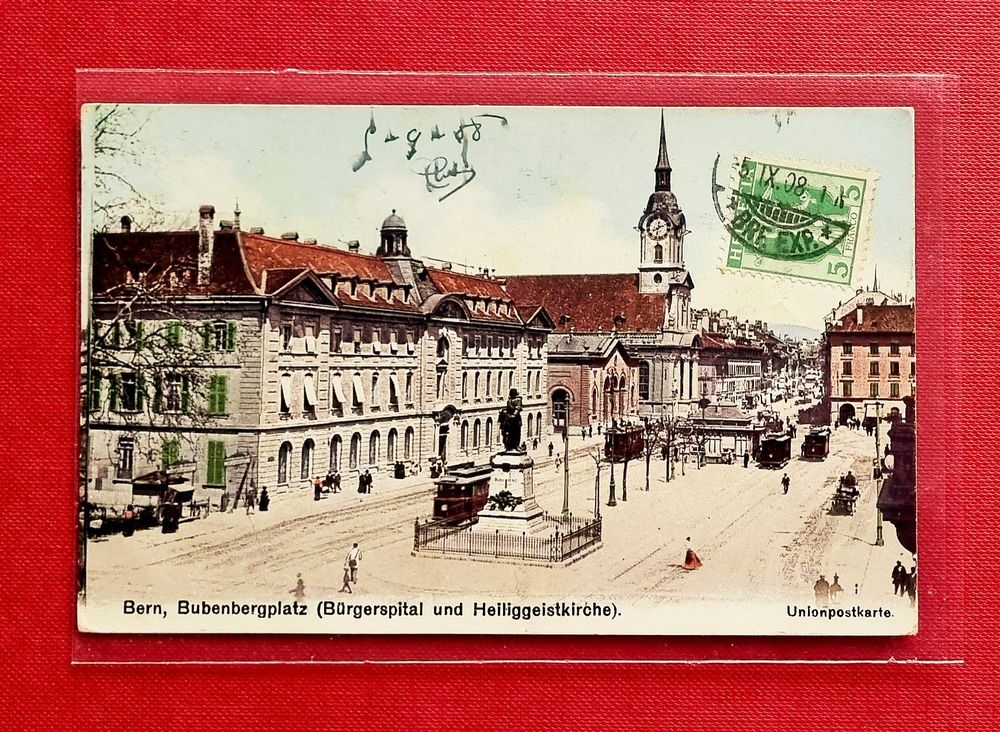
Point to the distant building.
(864, 296)
(869, 357)
(649, 311)
(225, 357)
(731, 371)
(727, 429)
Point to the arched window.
(489, 429)
(593, 400)
(465, 435)
(355, 456)
(373, 448)
(408, 443)
(475, 385)
(531, 425)
(336, 445)
(476, 426)
(465, 386)
(308, 447)
(658, 253)
(538, 424)
(489, 383)
(390, 446)
(443, 348)
(284, 456)
(644, 380)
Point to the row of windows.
(482, 433)
(342, 385)
(170, 455)
(847, 368)
(128, 391)
(215, 335)
(307, 453)
(302, 337)
(492, 384)
(873, 389)
(874, 349)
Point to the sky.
(556, 189)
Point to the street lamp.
(611, 486)
(565, 421)
(876, 470)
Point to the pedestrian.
(336, 482)
(590, 431)
(691, 560)
(300, 588)
(361, 482)
(822, 590)
(353, 559)
(598, 429)
(223, 501)
(835, 589)
(583, 433)
(346, 587)
(899, 579)
(368, 482)
(317, 488)
(251, 499)
(746, 458)
(128, 520)
(551, 448)
(785, 482)
(534, 444)
(911, 586)
(265, 500)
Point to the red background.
(44, 44)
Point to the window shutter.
(231, 335)
(174, 333)
(113, 392)
(138, 335)
(157, 393)
(206, 335)
(220, 399)
(140, 392)
(185, 393)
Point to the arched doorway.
(560, 410)
(846, 412)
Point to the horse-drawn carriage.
(846, 497)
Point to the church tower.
(662, 228)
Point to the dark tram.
(816, 444)
(462, 492)
(623, 442)
(775, 451)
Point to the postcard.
(497, 370)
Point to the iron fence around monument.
(571, 536)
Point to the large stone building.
(648, 310)
(226, 356)
(732, 369)
(869, 358)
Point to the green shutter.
(157, 393)
(171, 452)
(185, 393)
(113, 392)
(217, 395)
(173, 333)
(140, 392)
(231, 335)
(206, 335)
(216, 469)
(138, 335)
(221, 397)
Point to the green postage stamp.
(809, 222)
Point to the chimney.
(257, 230)
(861, 315)
(354, 245)
(446, 265)
(126, 224)
(206, 243)
(290, 236)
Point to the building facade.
(649, 311)
(227, 357)
(870, 359)
(731, 371)
(591, 379)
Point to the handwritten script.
(446, 171)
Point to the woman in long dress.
(691, 560)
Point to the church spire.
(662, 161)
(875, 284)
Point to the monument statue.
(510, 422)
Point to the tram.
(623, 442)
(461, 493)
(775, 451)
(816, 444)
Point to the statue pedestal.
(513, 471)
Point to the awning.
(359, 389)
(310, 390)
(338, 390)
(286, 390)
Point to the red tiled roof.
(591, 300)
(264, 252)
(448, 282)
(157, 255)
(876, 319)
